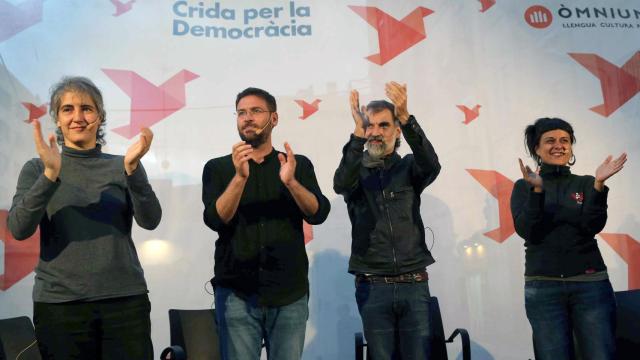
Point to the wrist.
(130, 168)
(240, 178)
(598, 185)
(51, 174)
(403, 117)
(290, 184)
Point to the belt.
(412, 277)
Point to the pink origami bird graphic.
(394, 37)
(15, 18)
(35, 112)
(469, 114)
(308, 109)
(149, 103)
(121, 7)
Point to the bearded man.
(256, 199)
(389, 255)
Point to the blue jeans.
(395, 318)
(243, 324)
(561, 312)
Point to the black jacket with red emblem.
(559, 224)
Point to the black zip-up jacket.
(384, 205)
(560, 223)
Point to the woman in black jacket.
(568, 295)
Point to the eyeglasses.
(256, 112)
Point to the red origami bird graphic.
(307, 230)
(618, 84)
(20, 257)
(35, 112)
(629, 250)
(394, 37)
(308, 109)
(486, 4)
(149, 103)
(501, 188)
(469, 114)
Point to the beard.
(376, 151)
(255, 140)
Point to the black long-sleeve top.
(559, 224)
(261, 250)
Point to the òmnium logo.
(618, 18)
(538, 16)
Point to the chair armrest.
(174, 352)
(466, 344)
(359, 341)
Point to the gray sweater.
(85, 218)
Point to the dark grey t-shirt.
(85, 219)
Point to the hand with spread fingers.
(287, 165)
(240, 155)
(49, 153)
(397, 93)
(608, 168)
(531, 177)
(137, 150)
(358, 114)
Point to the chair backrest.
(628, 324)
(17, 337)
(195, 331)
(438, 341)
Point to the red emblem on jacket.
(578, 197)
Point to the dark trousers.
(118, 328)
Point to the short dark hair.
(80, 85)
(377, 106)
(533, 133)
(263, 94)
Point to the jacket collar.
(547, 170)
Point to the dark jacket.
(384, 205)
(560, 223)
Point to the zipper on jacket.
(386, 208)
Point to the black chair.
(193, 335)
(438, 341)
(628, 324)
(18, 339)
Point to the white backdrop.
(517, 61)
